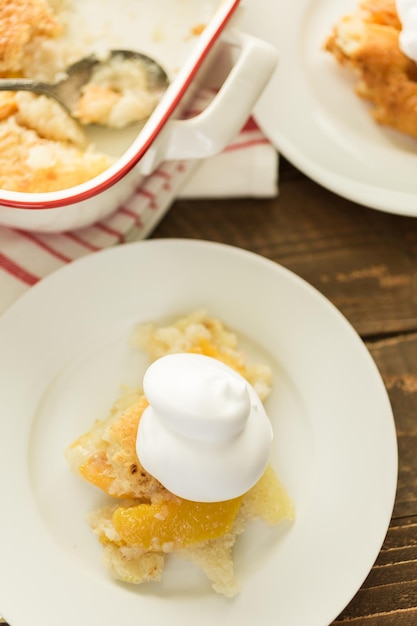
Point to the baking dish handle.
(209, 132)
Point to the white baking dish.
(164, 30)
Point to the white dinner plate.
(64, 352)
(310, 112)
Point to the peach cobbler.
(368, 41)
(43, 147)
(144, 522)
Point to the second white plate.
(312, 115)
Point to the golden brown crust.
(368, 42)
(106, 456)
(380, 12)
(20, 22)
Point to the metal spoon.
(67, 91)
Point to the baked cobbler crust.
(42, 149)
(21, 21)
(367, 41)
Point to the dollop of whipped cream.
(205, 435)
(407, 12)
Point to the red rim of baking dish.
(78, 196)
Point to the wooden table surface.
(365, 262)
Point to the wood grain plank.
(405, 617)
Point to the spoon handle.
(23, 84)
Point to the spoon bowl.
(68, 90)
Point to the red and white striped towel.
(248, 167)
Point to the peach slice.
(174, 524)
(206, 347)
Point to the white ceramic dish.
(165, 34)
(64, 354)
(311, 113)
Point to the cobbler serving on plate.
(202, 430)
(377, 42)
